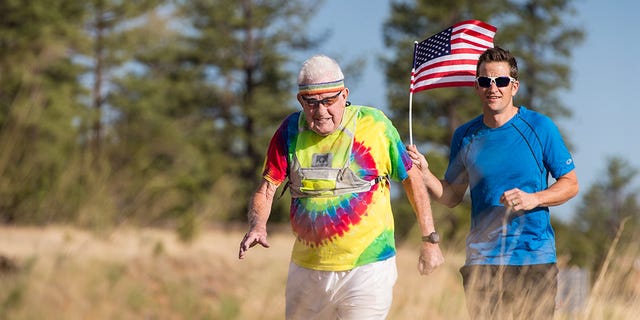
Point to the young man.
(505, 156)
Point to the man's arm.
(565, 188)
(447, 194)
(561, 191)
(430, 254)
(259, 211)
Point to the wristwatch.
(433, 237)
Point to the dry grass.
(64, 273)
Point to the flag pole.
(413, 71)
(410, 111)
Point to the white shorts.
(364, 292)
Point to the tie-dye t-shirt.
(335, 233)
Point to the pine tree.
(111, 28)
(245, 48)
(210, 85)
(38, 104)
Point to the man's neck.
(497, 119)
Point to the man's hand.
(418, 159)
(516, 199)
(251, 239)
(430, 258)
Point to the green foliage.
(574, 248)
(13, 299)
(250, 87)
(149, 112)
(37, 105)
(543, 55)
(14, 279)
(600, 216)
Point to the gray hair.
(319, 68)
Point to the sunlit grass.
(64, 273)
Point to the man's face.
(495, 97)
(323, 112)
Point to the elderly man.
(338, 160)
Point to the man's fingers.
(249, 241)
(243, 250)
(424, 268)
(243, 245)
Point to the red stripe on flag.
(449, 58)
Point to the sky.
(604, 93)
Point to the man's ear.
(516, 86)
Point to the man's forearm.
(419, 199)
(442, 191)
(434, 185)
(565, 188)
(260, 206)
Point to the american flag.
(449, 58)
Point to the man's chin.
(323, 131)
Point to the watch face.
(434, 237)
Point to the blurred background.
(133, 133)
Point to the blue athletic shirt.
(520, 154)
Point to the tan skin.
(323, 120)
(497, 109)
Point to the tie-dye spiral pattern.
(342, 232)
(318, 220)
